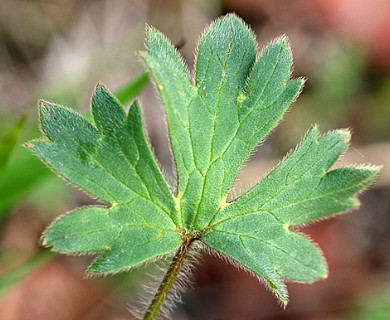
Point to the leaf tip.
(231, 16)
(302, 79)
(311, 135)
(283, 39)
(375, 169)
(43, 242)
(356, 204)
(100, 85)
(41, 105)
(44, 106)
(27, 144)
(44, 103)
(41, 102)
(371, 173)
(150, 30)
(148, 27)
(345, 133)
(100, 89)
(88, 274)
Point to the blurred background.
(58, 50)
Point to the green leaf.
(214, 122)
(112, 160)
(300, 189)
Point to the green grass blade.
(8, 143)
(130, 90)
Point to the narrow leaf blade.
(8, 141)
(130, 90)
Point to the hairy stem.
(169, 278)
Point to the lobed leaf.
(214, 122)
(299, 190)
(112, 160)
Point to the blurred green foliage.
(19, 272)
(19, 172)
(8, 142)
(374, 307)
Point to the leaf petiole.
(169, 279)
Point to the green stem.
(169, 278)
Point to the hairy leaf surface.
(215, 120)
